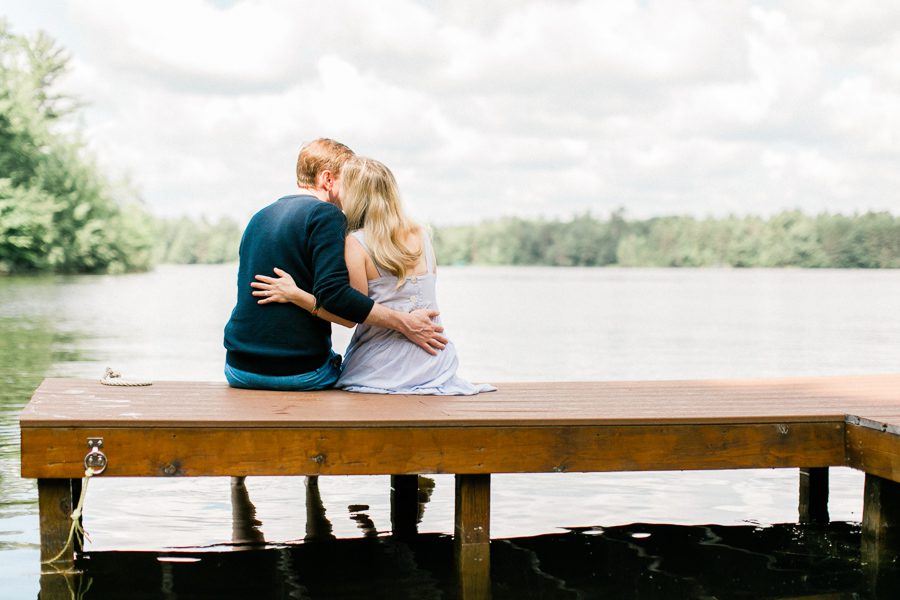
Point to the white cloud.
(865, 116)
(191, 42)
(484, 109)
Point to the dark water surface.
(632, 561)
(717, 534)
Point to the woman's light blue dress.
(383, 361)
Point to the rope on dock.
(112, 377)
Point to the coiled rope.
(115, 378)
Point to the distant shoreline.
(787, 239)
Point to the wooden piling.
(813, 505)
(881, 520)
(77, 540)
(881, 536)
(55, 509)
(473, 535)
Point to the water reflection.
(634, 561)
(318, 527)
(246, 529)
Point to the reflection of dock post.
(813, 505)
(318, 527)
(62, 586)
(472, 535)
(881, 532)
(404, 505)
(244, 524)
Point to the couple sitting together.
(300, 271)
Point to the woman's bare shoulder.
(355, 253)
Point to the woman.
(389, 258)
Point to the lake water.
(509, 324)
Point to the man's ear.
(326, 180)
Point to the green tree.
(57, 212)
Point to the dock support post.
(56, 499)
(881, 532)
(813, 505)
(473, 535)
(404, 505)
(76, 496)
(55, 508)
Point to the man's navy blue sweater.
(304, 236)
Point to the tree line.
(188, 241)
(787, 239)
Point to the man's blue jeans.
(322, 378)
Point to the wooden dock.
(189, 429)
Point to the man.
(280, 346)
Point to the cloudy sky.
(484, 109)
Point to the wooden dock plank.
(63, 402)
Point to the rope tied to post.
(76, 528)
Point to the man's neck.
(320, 194)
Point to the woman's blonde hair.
(371, 201)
